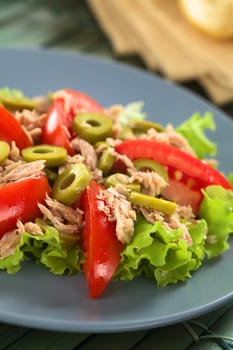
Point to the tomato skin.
(11, 130)
(173, 157)
(19, 201)
(57, 129)
(77, 101)
(180, 193)
(194, 174)
(99, 242)
(53, 130)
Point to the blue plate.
(36, 298)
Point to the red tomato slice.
(76, 101)
(57, 129)
(194, 174)
(54, 129)
(99, 242)
(175, 158)
(181, 194)
(11, 130)
(19, 201)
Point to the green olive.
(4, 151)
(155, 203)
(144, 125)
(126, 133)
(18, 104)
(92, 127)
(106, 162)
(149, 164)
(53, 155)
(13, 99)
(116, 179)
(71, 183)
(51, 174)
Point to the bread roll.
(214, 17)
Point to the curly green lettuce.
(52, 250)
(193, 129)
(161, 252)
(217, 210)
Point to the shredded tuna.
(15, 171)
(169, 136)
(8, 243)
(65, 219)
(87, 151)
(14, 152)
(122, 157)
(10, 240)
(186, 212)
(151, 182)
(31, 121)
(43, 104)
(172, 222)
(150, 215)
(117, 208)
(113, 142)
(71, 160)
(113, 112)
(29, 227)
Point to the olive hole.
(42, 151)
(94, 123)
(67, 181)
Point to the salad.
(106, 192)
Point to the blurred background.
(154, 35)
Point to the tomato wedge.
(19, 201)
(173, 157)
(180, 193)
(77, 101)
(99, 242)
(11, 130)
(54, 131)
(194, 173)
(57, 129)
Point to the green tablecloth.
(69, 25)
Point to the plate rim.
(68, 326)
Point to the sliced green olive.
(149, 164)
(144, 125)
(126, 133)
(106, 162)
(53, 155)
(71, 183)
(116, 179)
(51, 174)
(18, 104)
(15, 100)
(4, 151)
(92, 127)
(155, 203)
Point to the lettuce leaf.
(131, 112)
(161, 252)
(193, 129)
(217, 209)
(50, 249)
